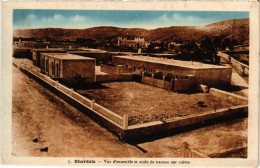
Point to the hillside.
(238, 29)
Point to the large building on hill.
(135, 43)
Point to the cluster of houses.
(70, 63)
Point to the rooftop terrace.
(48, 49)
(165, 61)
(66, 56)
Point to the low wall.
(157, 82)
(81, 98)
(148, 80)
(126, 70)
(113, 77)
(107, 113)
(115, 70)
(64, 88)
(203, 88)
(184, 84)
(86, 106)
(243, 69)
(108, 69)
(228, 96)
(153, 128)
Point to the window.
(58, 70)
(47, 66)
(53, 68)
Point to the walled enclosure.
(67, 66)
(119, 125)
(210, 75)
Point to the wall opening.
(57, 70)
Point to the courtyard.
(144, 103)
(66, 132)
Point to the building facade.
(37, 52)
(68, 67)
(211, 75)
(136, 43)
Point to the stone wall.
(213, 76)
(115, 70)
(84, 68)
(158, 127)
(228, 96)
(108, 69)
(184, 84)
(157, 82)
(243, 69)
(113, 77)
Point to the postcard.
(130, 84)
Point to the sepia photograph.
(126, 84)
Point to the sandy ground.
(136, 98)
(37, 113)
(144, 103)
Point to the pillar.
(71, 90)
(92, 104)
(142, 77)
(56, 83)
(243, 73)
(163, 81)
(125, 121)
(152, 79)
(171, 84)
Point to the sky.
(28, 18)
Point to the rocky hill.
(237, 29)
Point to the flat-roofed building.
(102, 57)
(212, 75)
(135, 43)
(37, 52)
(22, 52)
(68, 67)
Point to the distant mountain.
(237, 29)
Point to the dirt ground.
(144, 103)
(39, 114)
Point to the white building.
(133, 43)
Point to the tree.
(226, 43)
(209, 48)
(188, 47)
